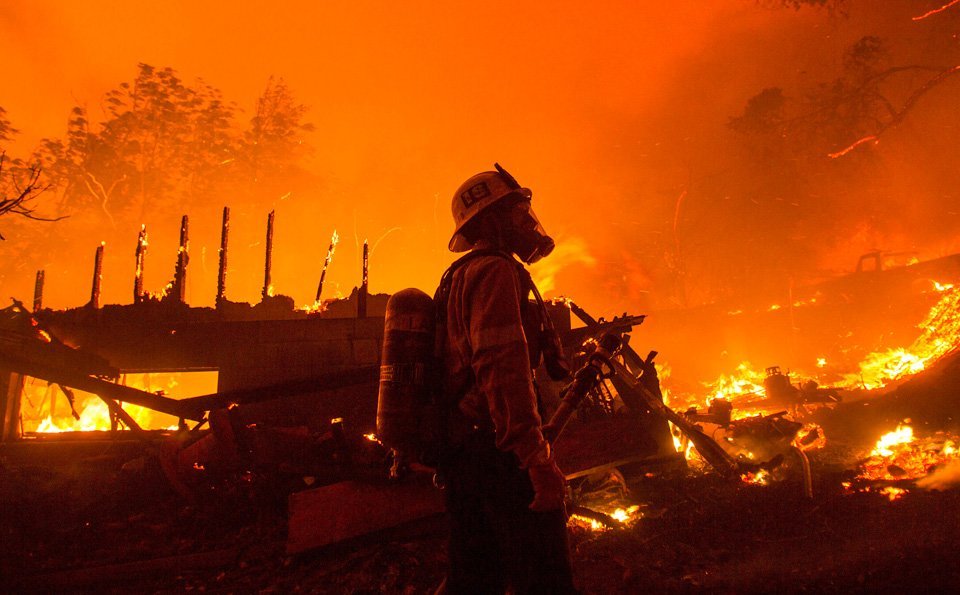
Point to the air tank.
(408, 344)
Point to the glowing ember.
(586, 523)
(761, 477)
(624, 516)
(901, 455)
(930, 13)
(863, 140)
(810, 437)
(893, 493)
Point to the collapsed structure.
(294, 392)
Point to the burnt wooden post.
(11, 390)
(97, 276)
(362, 297)
(38, 292)
(179, 289)
(222, 271)
(140, 255)
(268, 260)
(334, 239)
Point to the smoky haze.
(615, 114)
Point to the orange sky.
(593, 105)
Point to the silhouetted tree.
(274, 143)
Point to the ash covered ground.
(89, 526)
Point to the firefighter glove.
(548, 485)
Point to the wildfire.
(570, 251)
(940, 334)
(745, 381)
(901, 455)
(45, 408)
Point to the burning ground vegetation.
(845, 482)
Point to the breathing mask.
(529, 240)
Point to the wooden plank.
(348, 509)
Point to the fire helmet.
(478, 193)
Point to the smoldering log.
(179, 289)
(140, 255)
(38, 292)
(268, 259)
(362, 296)
(222, 271)
(97, 276)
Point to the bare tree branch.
(898, 116)
(20, 202)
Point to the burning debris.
(757, 430)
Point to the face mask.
(530, 241)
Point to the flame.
(810, 429)
(44, 408)
(902, 435)
(940, 335)
(570, 251)
(586, 522)
(745, 381)
(761, 477)
(317, 306)
(624, 516)
(901, 455)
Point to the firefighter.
(504, 491)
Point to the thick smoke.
(618, 118)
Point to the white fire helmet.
(476, 194)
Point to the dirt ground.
(97, 524)
(87, 527)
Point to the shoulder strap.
(443, 290)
